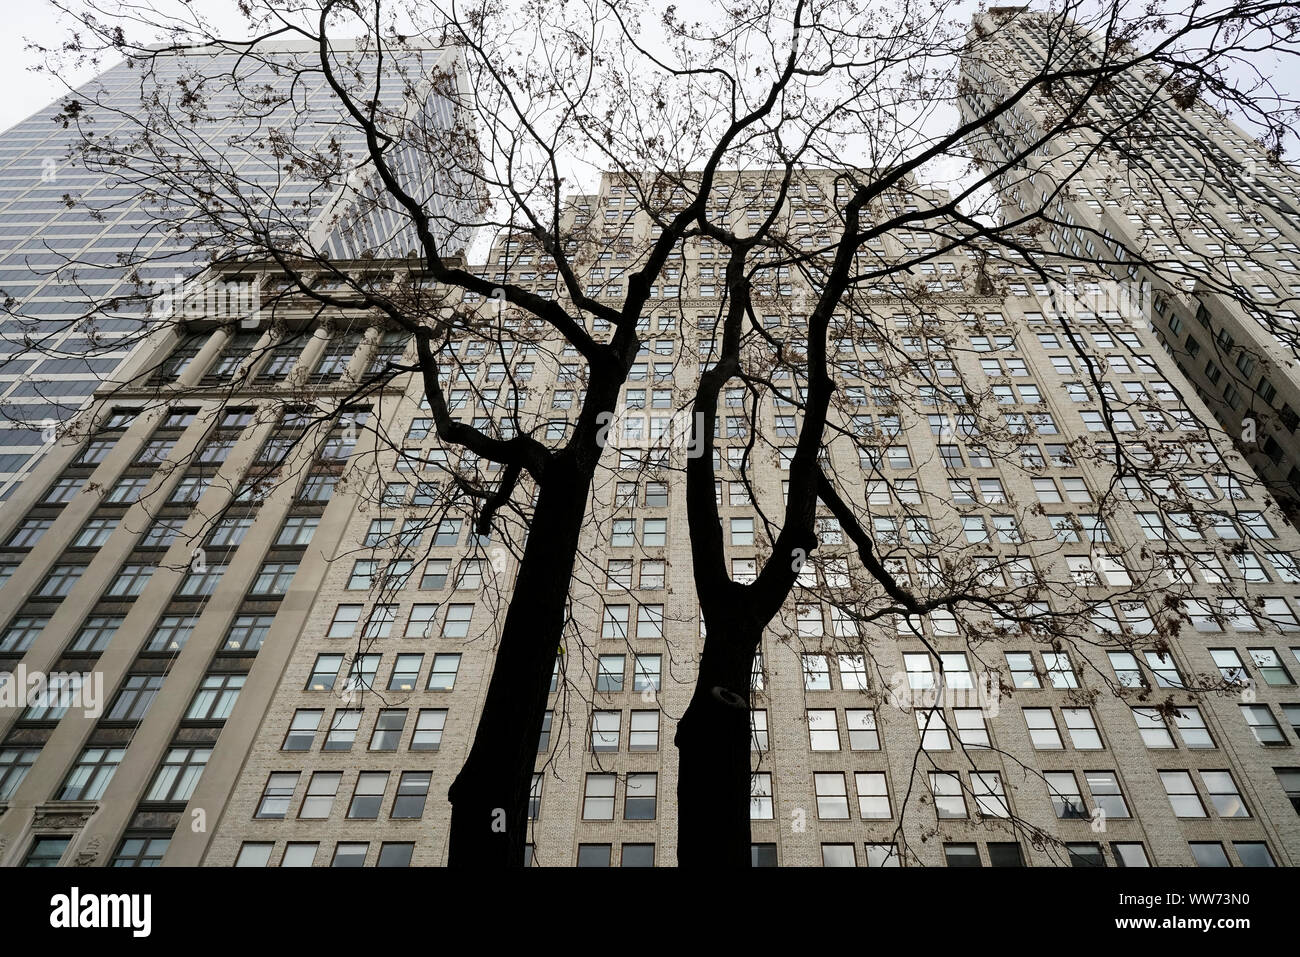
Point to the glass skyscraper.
(80, 227)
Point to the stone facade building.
(294, 621)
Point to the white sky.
(27, 90)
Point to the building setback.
(1200, 195)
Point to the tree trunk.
(489, 798)
(713, 753)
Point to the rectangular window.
(598, 798)
(429, 725)
(319, 799)
(949, 802)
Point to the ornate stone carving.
(62, 816)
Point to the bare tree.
(683, 117)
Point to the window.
(762, 855)
(643, 732)
(823, 731)
(1223, 793)
(863, 735)
(420, 623)
(598, 798)
(141, 849)
(933, 729)
(1191, 725)
(1270, 666)
(456, 624)
(1165, 670)
(299, 854)
(1229, 665)
(95, 634)
(816, 672)
(247, 632)
(442, 676)
(1182, 794)
(838, 855)
(641, 797)
(654, 531)
(361, 676)
(882, 855)
(650, 621)
(406, 672)
(395, 854)
(1253, 854)
(853, 672)
(22, 631)
(91, 774)
(343, 730)
(200, 583)
(1082, 729)
(131, 579)
(318, 802)
(742, 531)
(134, 697)
(94, 533)
(179, 774)
(873, 796)
(274, 577)
(1152, 728)
(1260, 720)
(302, 730)
(1021, 666)
(949, 802)
(1059, 670)
(535, 798)
(920, 671)
(990, 795)
(961, 855)
(368, 795)
(350, 853)
(297, 530)
(324, 673)
(46, 852)
(387, 734)
(1063, 789)
(14, 765)
(758, 729)
(429, 724)
(363, 573)
(832, 797)
(615, 621)
(760, 796)
(605, 728)
(1085, 854)
(1106, 794)
(1289, 778)
(971, 729)
(276, 795)
(594, 855)
(215, 698)
(645, 674)
(1129, 854)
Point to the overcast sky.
(28, 21)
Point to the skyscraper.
(79, 228)
(1151, 173)
(295, 681)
